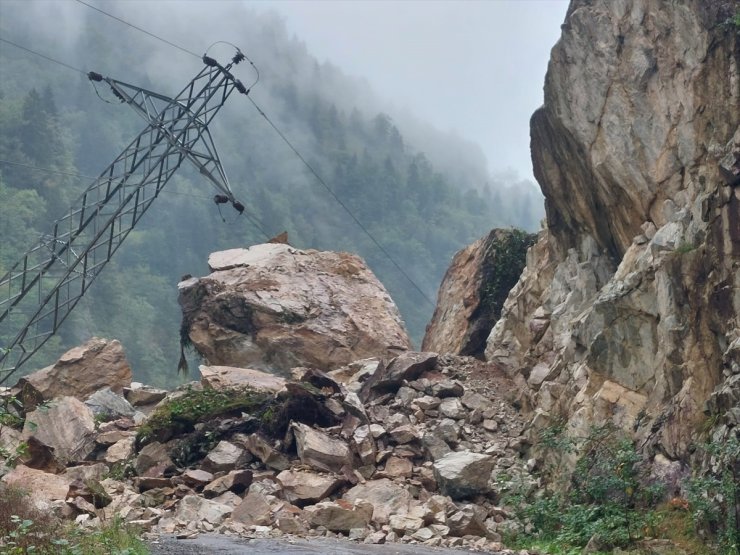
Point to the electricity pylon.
(44, 286)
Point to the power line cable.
(47, 170)
(139, 29)
(78, 70)
(340, 202)
(276, 129)
(298, 154)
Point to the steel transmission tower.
(44, 286)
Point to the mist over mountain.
(421, 192)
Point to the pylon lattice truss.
(40, 290)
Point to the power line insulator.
(238, 206)
(220, 199)
(94, 76)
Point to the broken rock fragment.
(301, 487)
(340, 515)
(385, 496)
(225, 457)
(228, 377)
(62, 432)
(406, 366)
(78, 373)
(464, 474)
(319, 450)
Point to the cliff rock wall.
(628, 308)
(473, 292)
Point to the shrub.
(609, 500)
(714, 495)
(25, 530)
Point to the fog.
(475, 68)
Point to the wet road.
(214, 544)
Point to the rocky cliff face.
(627, 311)
(473, 292)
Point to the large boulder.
(274, 307)
(59, 433)
(464, 474)
(79, 373)
(473, 292)
(43, 487)
(195, 508)
(339, 516)
(386, 497)
(301, 487)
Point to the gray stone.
(434, 446)
(319, 450)
(464, 474)
(225, 457)
(107, 404)
(302, 487)
(142, 395)
(452, 408)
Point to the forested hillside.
(421, 201)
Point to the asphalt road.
(215, 544)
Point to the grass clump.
(26, 530)
(609, 501)
(180, 414)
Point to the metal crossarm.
(43, 287)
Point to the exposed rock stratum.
(627, 310)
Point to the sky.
(476, 67)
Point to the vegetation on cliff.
(601, 494)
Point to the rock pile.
(413, 450)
